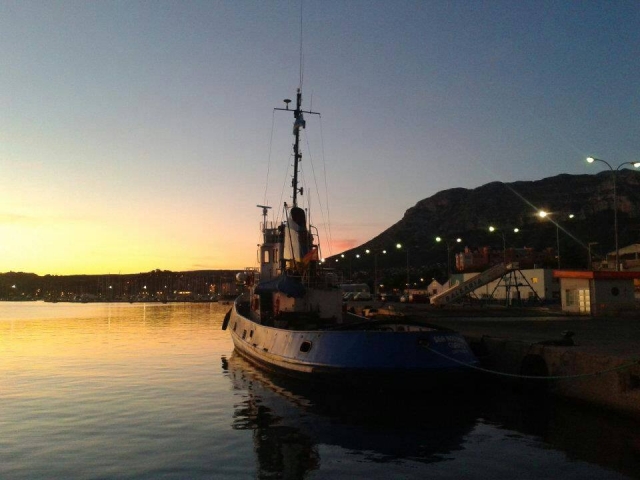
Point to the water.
(101, 391)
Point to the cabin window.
(305, 346)
(244, 334)
(251, 334)
(266, 256)
(615, 291)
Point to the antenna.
(265, 211)
(301, 44)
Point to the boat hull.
(418, 358)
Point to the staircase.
(461, 289)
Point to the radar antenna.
(265, 211)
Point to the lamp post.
(590, 262)
(614, 172)
(543, 214)
(375, 270)
(399, 247)
(448, 243)
(504, 241)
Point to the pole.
(408, 267)
(614, 172)
(590, 262)
(375, 275)
(558, 243)
(615, 217)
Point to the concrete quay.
(601, 368)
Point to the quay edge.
(600, 380)
(601, 358)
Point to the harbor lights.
(449, 247)
(504, 241)
(614, 173)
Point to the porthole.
(615, 291)
(305, 346)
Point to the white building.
(597, 292)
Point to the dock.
(584, 359)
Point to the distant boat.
(292, 318)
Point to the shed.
(596, 292)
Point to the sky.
(141, 135)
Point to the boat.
(291, 317)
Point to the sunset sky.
(141, 135)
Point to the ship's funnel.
(296, 243)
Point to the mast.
(298, 123)
(297, 156)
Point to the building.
(482, 258)
(435, 287)
(598, 293)
(629, 258)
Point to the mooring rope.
(538, 377)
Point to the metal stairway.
(461, 289)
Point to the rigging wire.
(327, 225)
(284, 187)
(315, 178)
(266, 186)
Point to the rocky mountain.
(468, 213)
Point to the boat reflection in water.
(290, 421)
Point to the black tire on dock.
(534, 366)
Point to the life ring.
(276, 306)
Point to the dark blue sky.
(144, 128)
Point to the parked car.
(418, 298)
(362, 296)
(389, 297)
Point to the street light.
(375, 269)
(342, 256)
(504, 241)
(399, 247)
(615, 199)
(543, 214)
(590, 261)
(440, 239)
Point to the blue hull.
(369, 357)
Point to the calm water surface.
(102, 391)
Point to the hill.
(468, 213)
